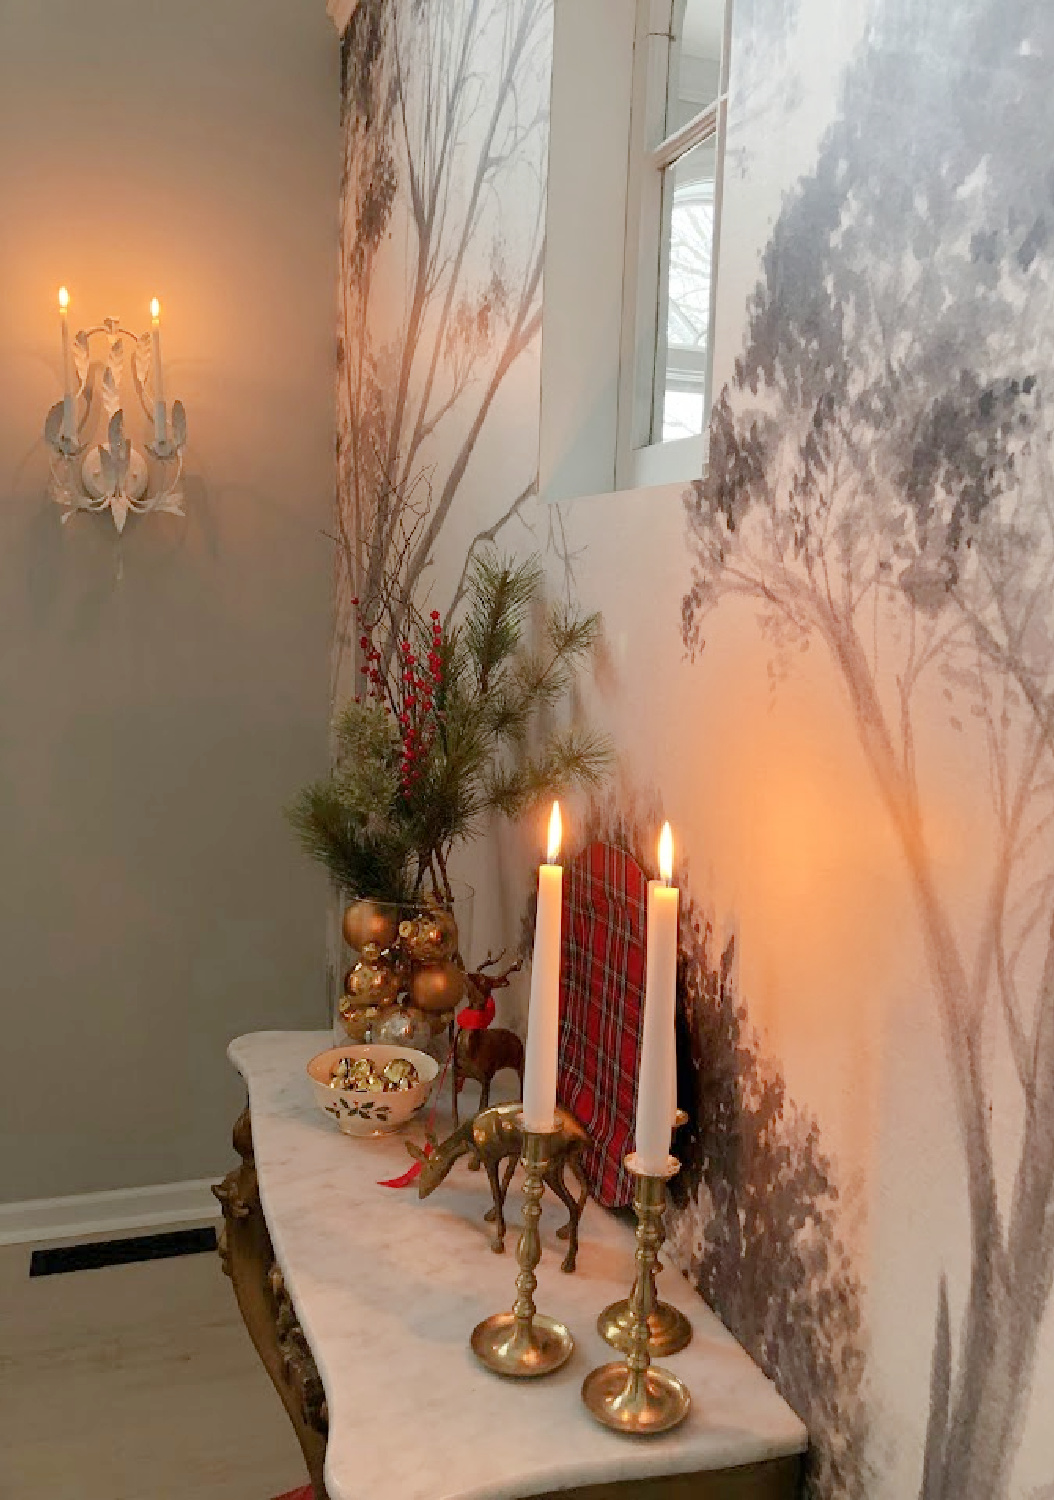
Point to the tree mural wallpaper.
(442, 234)
(879, 510)
(880, 484)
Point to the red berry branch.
(412, 698)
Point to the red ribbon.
(473, 1019)
(410, 1175)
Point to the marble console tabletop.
(388, 1286)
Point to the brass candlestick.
(669, 1331)
(523, 1342)
(634, 1396)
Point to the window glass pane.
(695, 63)
(688, 259)
(682, 414)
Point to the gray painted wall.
(152, 902)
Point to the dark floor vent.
(90, 1257)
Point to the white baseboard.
(101, 1213)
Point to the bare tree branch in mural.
(880, 480)
(441, 239)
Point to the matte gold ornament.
(437, 987)
(370, 922)
(430, 937)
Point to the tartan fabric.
(601, 1009)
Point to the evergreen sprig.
(424, 757)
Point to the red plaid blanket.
(601, 1004)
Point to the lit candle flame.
(555, 834)
(666, 854)
(155, 309)
(64, 298)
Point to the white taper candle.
(543, 1017)
(160, 425)
(655, 1102)
(69, 414)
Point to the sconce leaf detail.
(113, 475)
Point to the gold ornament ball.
(370, 922)
(430, 937)
(358, 1020)
(437, 987)
(372, 981)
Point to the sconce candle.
(543, 1017)
(656, 1099)
(69, 416)
(160, 426)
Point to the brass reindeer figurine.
(494, 1138)
(480, 1052)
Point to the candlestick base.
(522, 1343)
(634, 1396)
(669, 1331)
(639, 1402)
(502, 1344)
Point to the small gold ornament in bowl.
(371, 1089)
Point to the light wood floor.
(135, 1383)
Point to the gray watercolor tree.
(446, 131)
(881, 482)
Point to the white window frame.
(641, 463)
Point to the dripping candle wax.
(655, 1104)
(543, 1016)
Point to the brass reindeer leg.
(569, 1231)
(497, 1244)
(510, 1173)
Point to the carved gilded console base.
(248, 1259)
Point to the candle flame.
(64, 298)
(155, 308)
(555, 834)
(666, 853)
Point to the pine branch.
(500, 595)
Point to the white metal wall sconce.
(110, 473)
